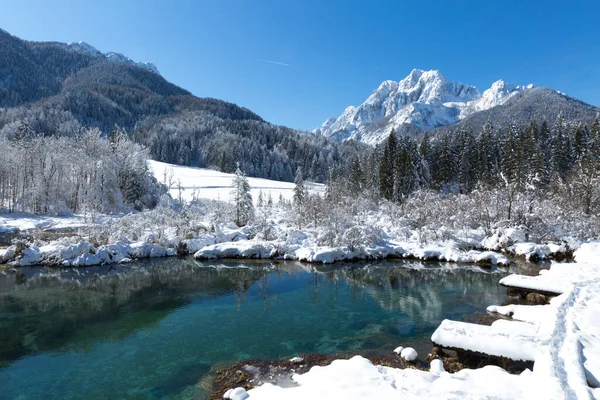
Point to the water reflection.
(163, 323)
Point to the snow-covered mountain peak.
(426, 99)
(85, 48)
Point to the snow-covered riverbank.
(323, 231)
(564, 342)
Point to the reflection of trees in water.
(417, 288)
(46, 310)
(42, 311)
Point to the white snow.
(358, 378)
(297, 360)
(557, 280)
(205, 183)
(241, 249)
(85, 254)
(85, 48)
(409, 354)
(588, 253)
(304, 250)
(236, 394)
(514, 344)
(532, 251)
(436, 367)
(26, 222)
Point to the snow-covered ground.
(205, 229)
(25, 222)
(205, 183)
(563, 339)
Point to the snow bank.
(327, 255)
(200, 242)
(558, 279)
(533, 251)
(516, 344)
(562, 338)
(242, 249)
(357, 378)
(504, 238)
(10, 223)
(588, 253)
(85, 254)
(567, 330)
(514, 241)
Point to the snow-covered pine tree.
(387, 167)
(299, 189)
(371, 174)
(356, 179)
(241, 198)
(447, 161)
(261, 199)
(561, 151)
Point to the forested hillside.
(56, 89)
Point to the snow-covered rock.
(534, 251)
(436, 367)
(409, 354)
(199, 242)
(297, 360)
(588, 253)
(236, 394)
(424, 98)
(503, 238)
(241, 249)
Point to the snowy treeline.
(261, 149)
(85, 173)
(537, 162)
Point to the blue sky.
(335, 53)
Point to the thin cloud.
(274, 62)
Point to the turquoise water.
(155, 329)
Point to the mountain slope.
(537, 104)
(426, 100)
(59, 89)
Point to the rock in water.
(409, 354)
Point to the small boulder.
(435, 354)
(409, 354)
(398, 350)
(536, 298)
(297, 360)
(236, 394)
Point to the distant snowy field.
(210, 184)
(25, 222)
